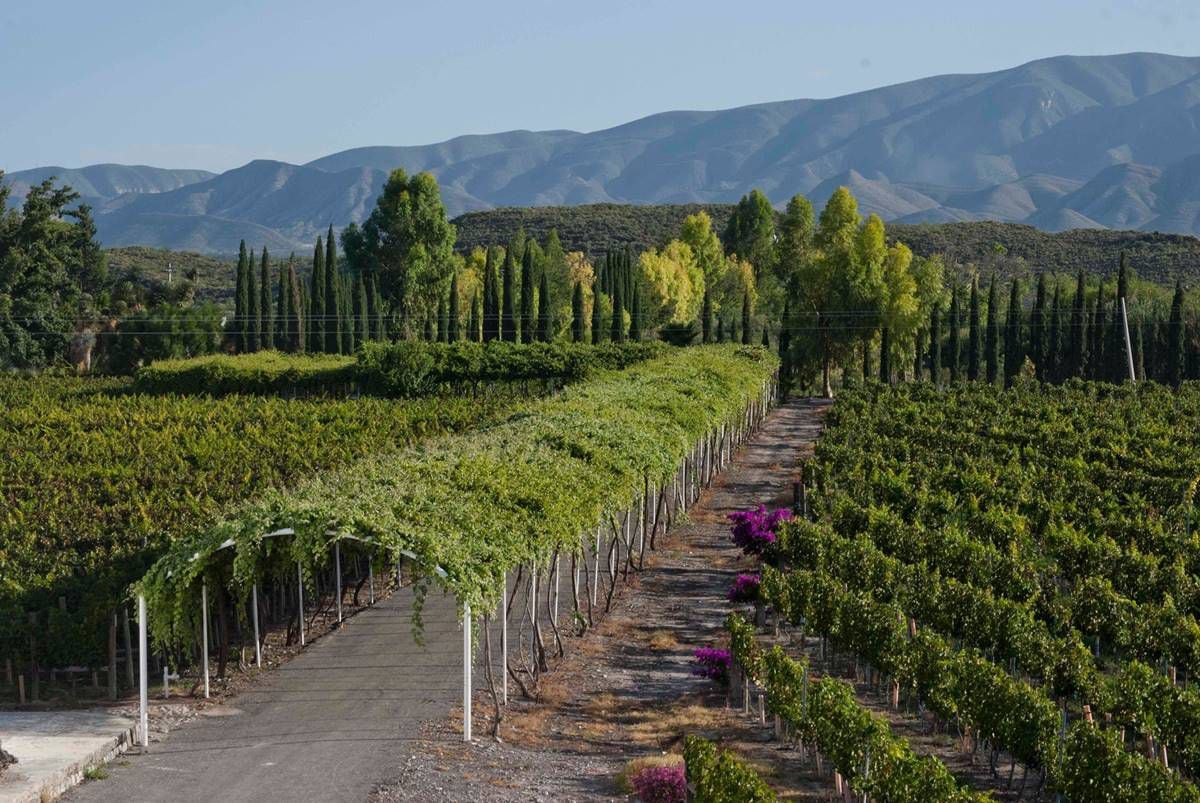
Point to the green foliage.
(717, 776)
(265, 372)
(163, 332)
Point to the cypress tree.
(720, 329)
(316, 300)
(746, 318)
(866, 359)
(282, 313)
(577, 313)
(443, 314)
(254, 330)
(508, 317)
(974, 335)
(785, 341)
(885, 355)
(527, 321)
(334, 323)
(544, 325)
(919, 356)
(241, 303)
(1138, 355)
(298, 326)
(430, 327)
(1077, 357)
(268, 314)
(1037, 330)
(454, 329)
(991, 345)
(1175, 342)
(491, 306)
(935, 346)
(706, 317)
(597, 313)
(1115, 347)
(361, 310)
(475, 332)
(1014, 345)
(635, 316)
(766, 341)
(954, 344)
(1054, 339)
(618, 316)
(1099, 331)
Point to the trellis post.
(254, 616)
(504, 636)
(337, 560)
(300, 598)
(143, 677)
(596, 571)
(466, 672)
(370, 581)
(204, 633)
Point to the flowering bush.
(744, 588)
(754, 530)
(712, 663)
(660, 784)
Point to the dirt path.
(626, 689)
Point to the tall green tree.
(935, 346)
(1175, 338)
(991, 344)
(491, 298)
(706, 314)
(1077, 355)
(443, 321)
(454, 330)
(635, 315)
(974, 334)
(1037, 330)
(954, 347)
(528, 324)
(476, 326)
(597, 314)
(1054, 338)
(316, 300)
(254, 324)
(1099, 332)
(362, 325)
(545, 316)
(618, 313)
(283, 296)
(241, 304)
(508, 317)
(746, 319)
(1014, 343)
(335, 324)
(577, 313)
(750, 232)
(268, 314)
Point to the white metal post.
(504, 636)
(300, 598)
(143, 679)
(254, 616)
(466, 672)
(337, 560)
(1128, 346)
(204, 633)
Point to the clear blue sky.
(214, 84)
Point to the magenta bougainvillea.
(755, 530)
(712, 663)
(660, 784)
(744, 588)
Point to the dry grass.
(662, 640)
(638, 764)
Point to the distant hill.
(603, 227)
(102, 184)
(1059, 143)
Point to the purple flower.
(744, 588)
(660, 784)
(754, 530)
(712, 663)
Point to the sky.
(215, 84)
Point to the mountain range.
(1060, 143)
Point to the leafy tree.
(902, 312)
(454, 329)
(508, 317)
(974, 335)
(545, 323)
(268, 314)
(991, 345)
(675, 284)
(409, 245)
(577, 313)
(1175, 341)
(751, 232)
(795, 243)
(1014, 350)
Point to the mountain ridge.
(1060, 142)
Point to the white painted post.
(1128, 345)
(143, 678)
(300, 597)
(337, 559)
(466, 672)
(504, 636)
(254, 612)
(370, 582)
(204, 633)
(596, 572)
(166, 684)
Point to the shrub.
(755, 530)
(712, 663)
(744, 588)
(660, 784)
